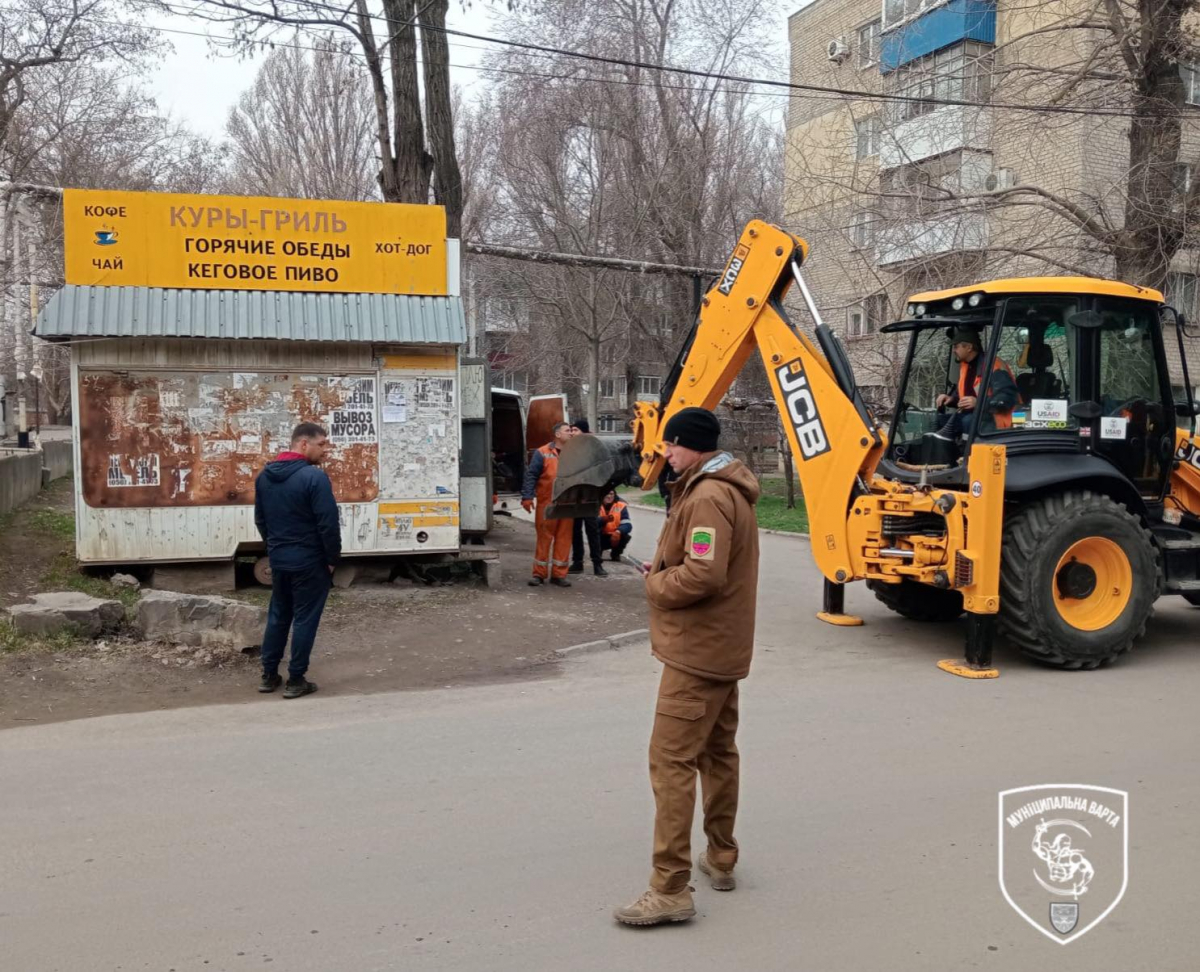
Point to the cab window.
(1036, 352)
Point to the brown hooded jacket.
(703, 581)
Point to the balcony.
(943, 130)
(922, 239)
(939, 24)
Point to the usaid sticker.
(1114, 427)
(1048, 413)
(702, 543)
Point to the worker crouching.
(702, 590)
(616, 529)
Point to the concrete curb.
(611, 643)
(774, 533)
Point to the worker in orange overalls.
(1002, 392)
(553, 554)
(616, 529)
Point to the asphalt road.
(495, 827)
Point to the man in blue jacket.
(296, 514)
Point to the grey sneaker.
(720, 880)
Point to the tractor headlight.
(958, 303)
(975, 300)
(920, 310)
(912, 309)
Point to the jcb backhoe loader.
(1061, 508)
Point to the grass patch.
(259, 596)
(56, 524)
(773, 513)
(12, 641)
(64, 575)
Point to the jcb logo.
(802, 410)
(1188, 453)
(735, 267)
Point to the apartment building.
(896, 177)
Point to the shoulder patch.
(702, 543)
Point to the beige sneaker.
(720, 880)
(655, 908)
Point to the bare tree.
(624, 162)
(35, 34)
(305, 128)
(416, 151)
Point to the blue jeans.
(297, 601)
(960, 423)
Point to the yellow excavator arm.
(855, 518)
(833, 435)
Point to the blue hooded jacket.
(297, 516)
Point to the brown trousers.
(695, 722)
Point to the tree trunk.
(447, 180)
(383, 137)
(1153, 231)
(409, 160)
(593, 372)
(789, 472)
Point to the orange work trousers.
(695, 722)
(553, 553)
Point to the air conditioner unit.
(999, 180)
(837, 50)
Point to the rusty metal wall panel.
(200, 438)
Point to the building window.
(898, 11)
(863, 320)
(866, 137)
(1191, 83)
(876, 308)
(612, 387)
(610, 423)
(1183, 178)
(649, 386)
(1181, 292)
(958, 73)
(868, 44)
(862, 230)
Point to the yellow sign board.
(149, 239)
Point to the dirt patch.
(376, 638)
(34, 540)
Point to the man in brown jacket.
(702, 587)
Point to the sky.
(199, 87)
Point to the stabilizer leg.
(835, 607)
(981, 632)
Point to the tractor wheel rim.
(1106, 597)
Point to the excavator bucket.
(589, 467)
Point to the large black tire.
(1036, 539)
(919, 602)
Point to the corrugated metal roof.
(151, 312)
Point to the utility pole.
(19, 335)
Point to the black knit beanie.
(967, 335)
(693, 428)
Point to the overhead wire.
(855, 94)
(808, 92)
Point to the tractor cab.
(1069, 373)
